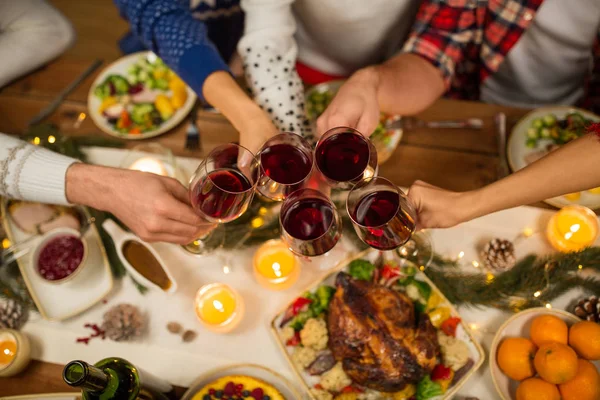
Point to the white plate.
(285, 387)
(462, 332)
(57, 302)
(120, 67)
(518, 326)
(517, 150)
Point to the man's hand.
(355, 105)
(440, 208)
(155, 208)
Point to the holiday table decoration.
(275, 266)
(499, 254)
(13, 314)
(123, 322)
(15, 352)
(588, 309)
(219, 307)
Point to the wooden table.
(451, 158)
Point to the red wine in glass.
(286, 162)
(310, 223)
(221, 195)
(344, 155)
(381, 214)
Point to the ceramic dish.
(385, 141)
(120, 237)
(44, 240)
(46, 396)
(463, 333)
(120, 67)
(518, 326)
(517, 151)
(285, 387)
(88, 287)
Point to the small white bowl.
(518, 326)
(51, 235)
(120, 237)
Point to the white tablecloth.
(164, 354)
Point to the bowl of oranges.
(545, 354)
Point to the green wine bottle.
(115, 379)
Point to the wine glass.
(344, 157)
(221, 190)
(384, 218)
(286, 163)
(310, 223)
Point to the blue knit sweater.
(195, 38)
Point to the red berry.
(257, 394)
(212, 392)
(239, 386)
(229, 389)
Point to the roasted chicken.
(374, 333)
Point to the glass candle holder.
(275, 266)
(15, 352)
(153, 158)
(572, 228)
(219, 307)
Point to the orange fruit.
(537, 389)
(556, 363)
(585, 385)
(515, 356)
(584, 337)
(548, 328)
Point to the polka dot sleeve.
(269, 52)
(168, 29)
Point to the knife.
(502, 168)
(50, 108)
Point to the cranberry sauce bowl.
(60, 255)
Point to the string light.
(80, 118)
(461, 254)
(422, 268)
(489, 278)
(263, 211)
(475, 264)
(226, 269)
(36, 140)
(580, 267)
(528, 232)
(548, 305)
(257, 222)
(51, 139)
(537, 294)
(5, 243)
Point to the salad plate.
(311, 329)
(318, 97)
(139, 97)
(544, 130)
(57, 301)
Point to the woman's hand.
(256, 130)
(440, 208)
(155, 208)
(355, 105)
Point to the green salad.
(560, 131)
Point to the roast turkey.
(373, 332)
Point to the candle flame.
(218, 305)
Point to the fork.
(192, 138)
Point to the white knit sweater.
(29, 172)
(333, 36)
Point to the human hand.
(256, 131)
(155, 208)
(355, 105)
(440, 208)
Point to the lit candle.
(219, 307)
(572, 228)
(275, 266)
(14, 352)
(149, 164)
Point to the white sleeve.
(269, 52)
(32, 32)
(29, 172)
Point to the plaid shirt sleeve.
(443, 30)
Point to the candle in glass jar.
(149, 164)
(14, 352)
(275, 266)
(219, 307)
(572, 228)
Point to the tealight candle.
(219, 307)
(572, 228)
(14, 352)
(149, 164)
(275, 266)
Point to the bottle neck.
(81, 374)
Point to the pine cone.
(588, 309)
(123, 322)
(13, 315)
(499, 254)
